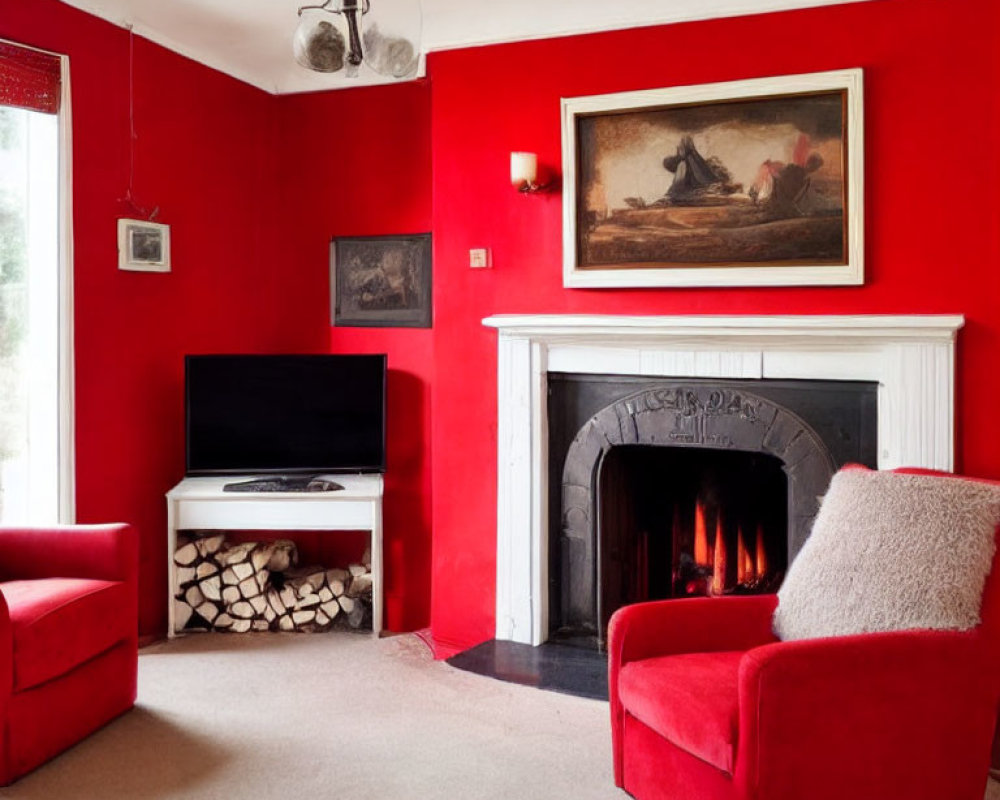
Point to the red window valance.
(29, 78)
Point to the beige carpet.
(331, 716)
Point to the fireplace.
(909, 359)
(678, 488)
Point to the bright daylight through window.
(29, 308)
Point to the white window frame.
(67, 395)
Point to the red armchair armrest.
(695, 625)
(861, 711)
(6, 662)
(102, 552)
(671, 627)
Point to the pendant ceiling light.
(346, 34)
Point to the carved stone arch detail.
(682, 415)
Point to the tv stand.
(204, 504)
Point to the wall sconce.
(524, 173)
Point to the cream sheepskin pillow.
(891, 551)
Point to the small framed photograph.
(381, 281)
(143, 246)
(747, 183)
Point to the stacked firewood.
(256, 586)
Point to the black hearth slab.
(552, 666)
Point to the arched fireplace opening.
(688, 488)
(688, 522)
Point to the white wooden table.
(201, 503)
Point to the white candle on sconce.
(523, 170)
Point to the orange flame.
(761, 553)
(746, 570)
(701, 556)
(719, 570)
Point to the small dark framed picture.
(381, 281)
(143, 246)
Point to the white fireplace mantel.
(911, 357)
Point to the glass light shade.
(391, 37)
(320, 40)
(523, 169)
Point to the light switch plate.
(480, 258)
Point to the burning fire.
(761, 553)
(711, 560)
(746, 570)
(719, 568)
(702, 557)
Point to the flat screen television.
(284, 414)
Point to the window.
(35, 463)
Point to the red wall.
(359, 165)
(255, 186)
(932, 96)
(206, 155)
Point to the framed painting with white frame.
(143, 246)
(745, 183)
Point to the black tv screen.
(284, 414)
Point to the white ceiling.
(251, 39)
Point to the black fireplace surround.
(804, 429)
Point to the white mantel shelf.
(913, 326)
(910, 357)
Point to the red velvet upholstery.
(68, 637)
(891, 715)
(58, 623)
(690, 700)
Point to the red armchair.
(707, 704)
(68, 637)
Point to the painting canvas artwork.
(382, 281)
(731, 184)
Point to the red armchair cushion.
(59, 623)
(692, 700)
